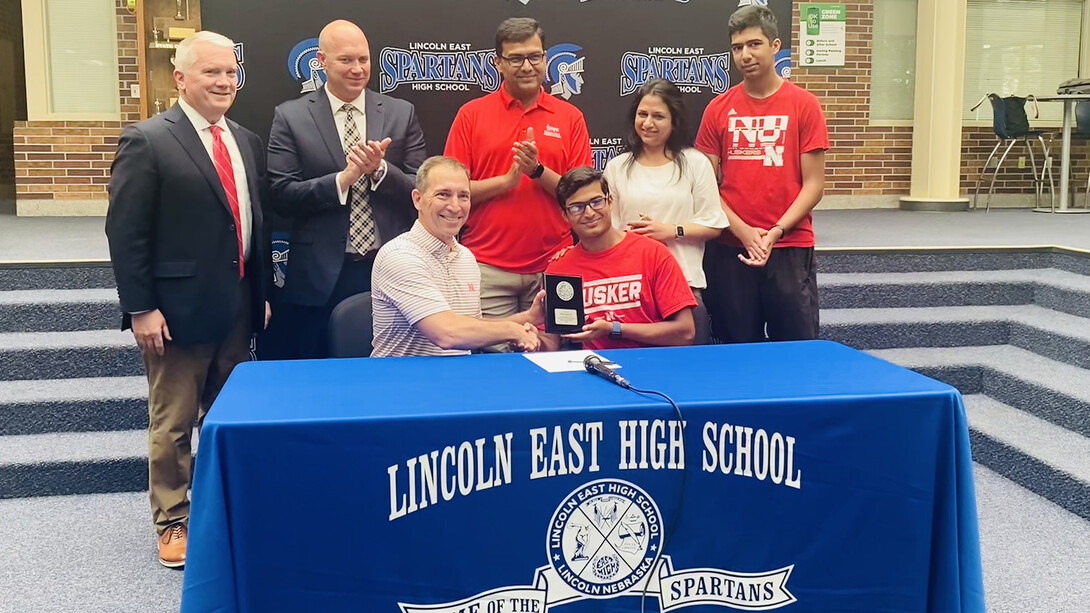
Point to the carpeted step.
(65, 355)
(1042, 457)
(1059, 336)
(73, 463)
(934, 259)
(1058, 290)
(59, 310)
(73, 405)
(1052, 391)
(76, 275)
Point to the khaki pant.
(505, 293)
(182, 384)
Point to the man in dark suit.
(342, 165)
(190, 256)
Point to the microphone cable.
(667, 536)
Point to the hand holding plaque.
(563, 304)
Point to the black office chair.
(1011, 126)
(351, 327)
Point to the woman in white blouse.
(662, 187)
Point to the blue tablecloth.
(814, 478)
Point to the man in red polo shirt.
(516, 143)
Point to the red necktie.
(222, 159)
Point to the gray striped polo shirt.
(417, 275)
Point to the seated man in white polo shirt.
(426, 288)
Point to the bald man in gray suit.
(342, 165)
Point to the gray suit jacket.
(305, 155)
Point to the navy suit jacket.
(173, 242)
(305, 155)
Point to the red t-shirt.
(520, 230)
(760, 143)
(636, 281)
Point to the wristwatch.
(616, 332)
(680, 231)
(379, 173)
(540, 170)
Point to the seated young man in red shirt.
(634, 292)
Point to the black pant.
(742, 300)
(307, 326)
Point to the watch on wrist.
(540, 170)
(616, 331)
(680, 231)
(379, 173)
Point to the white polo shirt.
(417, 275)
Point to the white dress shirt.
(339, 118)
(241, 186)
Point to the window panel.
(893, 65)
(81, 50)
(1021, 47)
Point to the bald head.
(337, 31)
(346, 57)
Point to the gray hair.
(186, 55)
(431, 164)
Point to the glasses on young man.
(577, 208)
(516, 61)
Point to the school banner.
(438, 54)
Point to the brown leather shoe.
(172, 546)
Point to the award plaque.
(563, 304)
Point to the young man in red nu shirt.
(766, 137)
(634, 291)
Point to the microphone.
(596, 366)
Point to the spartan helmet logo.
(280, 250)
(752, 2)
(565, 70)
(304, 67)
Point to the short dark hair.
(436, 161)
(516, 30)
(754, 16)
(575, 180)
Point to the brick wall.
(62, 167)
(871, 165)
(978, 142)
(864, 161)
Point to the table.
(1069, 101)
(814, 477)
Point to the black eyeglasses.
(516, 61)
(577, 208)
